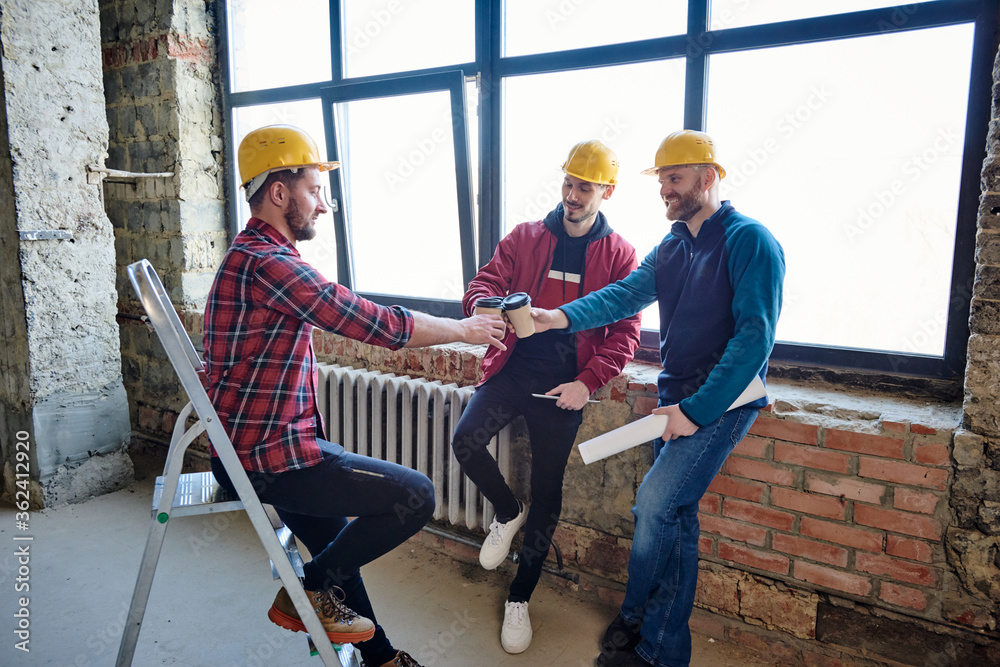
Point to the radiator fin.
(409, 421)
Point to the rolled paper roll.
(625, 437)
(648, 428)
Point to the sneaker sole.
(516, 648)
(287, 622)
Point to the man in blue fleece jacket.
(717, 277)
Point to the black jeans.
(552, 432)
(391, 504)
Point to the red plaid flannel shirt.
(259, 358)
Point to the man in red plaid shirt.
(262, 376)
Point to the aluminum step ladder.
(178, 494)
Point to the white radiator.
(409, 421)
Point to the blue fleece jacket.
(719, 296)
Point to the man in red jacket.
(570, 253)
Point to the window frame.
(696, 45)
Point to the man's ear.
(277, 193)
(607, 192)
(711, 176)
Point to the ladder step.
(200, 493)
(197, 493)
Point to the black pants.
(391, 504)
(552, 432)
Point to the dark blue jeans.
(391, 504)
(552, 432)
(663, 564)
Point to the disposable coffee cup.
(517, 306)
(489, 305)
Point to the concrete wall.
(163, 109)
(62, 365)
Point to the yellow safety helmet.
(592, 161)
(685, 147)
(273, 148)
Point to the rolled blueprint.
(648, 428)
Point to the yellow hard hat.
(685, 147)
(275, 147)
(592, 161)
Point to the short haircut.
(287, 176)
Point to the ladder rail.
(187, 364)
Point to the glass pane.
(321, 251)
(543, 26)
(623, 110)
(383, 37)
(739, 13)
(854, 163)
(402, 195)
(261, 38)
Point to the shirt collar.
(264, 228)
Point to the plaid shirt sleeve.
(289, 285)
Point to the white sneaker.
(497, 544)
(516, 633)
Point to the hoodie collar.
(554, 223)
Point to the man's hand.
(548, 319)
(678, 424)
(480, 329)
(572, 395)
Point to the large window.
(853, 129)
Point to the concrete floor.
(213, 588)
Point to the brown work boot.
(402, 659)
(342, 625)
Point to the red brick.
(752, 446)
(923, 430)
(636, 386)
(903, 473)
(823, 576)
(914, 501)
(903, 596)
(718, 591)
(707, 624)
(899, 570)
(811, 457)
(762, 643)
(841, 534)
(809, 503)
(796, 546)
(813, 659)
(863, 443)
(846, 488)
(782, 429)
(738, 553)
(904, 547)
(897, 522)
(762, 516)
(706, 545)
(733, 530)
(759, 470)
(643, 405)
(709, 503)
(737, 488)
(896, 427)
(933, 454)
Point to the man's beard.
(685, 207)
(301, 226)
